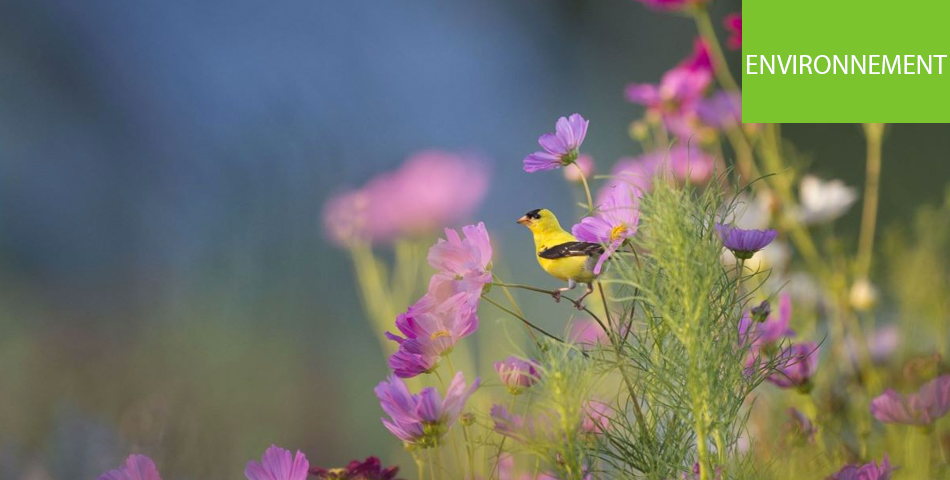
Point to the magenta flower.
(424, 418)
(797, 364)
(678, 88)
(744, 243)
(694, 474)
(369, 469)
(508, 423)
(924, 407)
(430, 190)
(278, 464)
(560, 147)
(587, 332)
(759, 327)
(733, 23)
(700, 59)
(585, 163)
(596, 417)
(671, 4)
(868, 471)
(430, 332)
(137, 467)
(615, 222)
(691, 164)
(517, 374)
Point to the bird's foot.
(557, 296)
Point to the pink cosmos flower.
(797, 364)
(615, 221)
(431, 189)
(517, 374)
(682, 163)
(733, 23)
(137, 467)
(671, 4)
(924, 407)
(463, 265)
(422, 419)
(868, 471)
(278, 464)
(560, 147)
(587, 332)
(430, 332)
(586, 164)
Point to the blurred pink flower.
(137, 467)
(721, 110)
(466, 262)
(596, 417)
(733, 23)
(699, 60)
(682, 163)
(586, 164)
(868, 471)
(431, 189)
(278, 464)
(369, 469)
(671, 4)
(561, 148)
(587, 332)
(614, 222)
(797, 364)
(924, 407)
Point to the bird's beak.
(524, 220)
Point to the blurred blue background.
(165, 283)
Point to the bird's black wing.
(572, 249)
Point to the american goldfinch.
(559, 252)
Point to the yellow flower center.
(440, 334)
(618, 232)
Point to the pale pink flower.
(586, 164)
(278, 464)
(137, 467)
(924, 407)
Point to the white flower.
(753, 213)
(823, 201)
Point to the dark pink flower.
(615, 221)
(924, 407)
(868, 471)
(369, 469)
(278, 464)
(424, 418)
(672, 4)
(137, 467)
(699, 60)
(733, 23)
(744, 243)
(797, 364)
(695, 474)
(517, 374)
(431, 189)
(561, 148)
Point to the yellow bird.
(559, 252)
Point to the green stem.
(874, 133)
(523, 320)
(708, 33)
(590, 201)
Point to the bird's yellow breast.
(568, 268)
